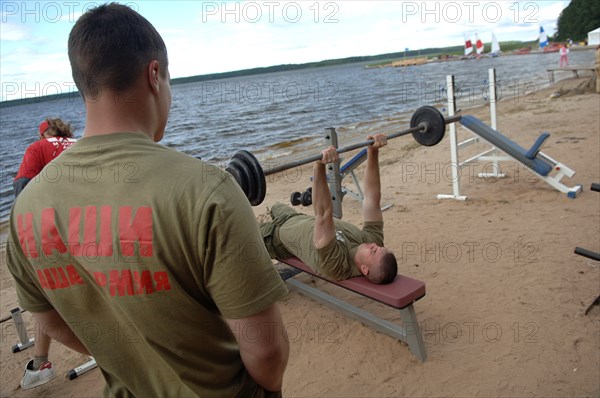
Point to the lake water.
(285, 113)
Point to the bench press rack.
(400, 294)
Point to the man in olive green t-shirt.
(332, 247)
(143, 257)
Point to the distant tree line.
(579, 18)
(328, 62)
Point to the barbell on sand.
(427, 126)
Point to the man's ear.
(364, 269)
(153, 75)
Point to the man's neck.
(112, 113)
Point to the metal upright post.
(333, 171)
(453, 144)
(493, 99)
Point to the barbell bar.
(427, 126)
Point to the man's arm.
(324, 231)
(54, 326)
(372, 182)
(265, 353)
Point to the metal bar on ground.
(78, 371)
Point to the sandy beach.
(506, 295)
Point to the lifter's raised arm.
(372, 181)
(321, 197)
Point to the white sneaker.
(33, 378)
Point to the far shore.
(385, 58)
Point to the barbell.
(427, 126)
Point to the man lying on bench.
(334, 248)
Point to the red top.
(40, 153)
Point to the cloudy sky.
(218, 36)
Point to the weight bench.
(400, 294)
(540, 163)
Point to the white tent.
(594, 37)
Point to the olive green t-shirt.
(143, 250)
(335, 260)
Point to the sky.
(220, 36)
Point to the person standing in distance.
(54, 137)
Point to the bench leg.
(410, 333)
(413, 332)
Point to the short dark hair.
(388, 269)
(109, 47)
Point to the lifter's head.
(377, 263)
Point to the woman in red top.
(55, 137)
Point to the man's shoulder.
(373, 227)
(373, 232)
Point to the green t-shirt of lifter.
(143, 250)
(335, 260)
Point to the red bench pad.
(401, 293)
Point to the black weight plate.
(258, 176)
(295, 198)
(245, 176)
(435, 125)
(233, 169)
(306, 198)
(250, 171)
